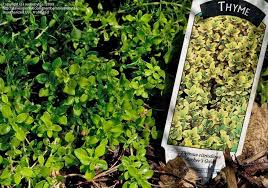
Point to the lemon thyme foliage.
(216, 84)
(75, 87)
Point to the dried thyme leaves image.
(217, 80)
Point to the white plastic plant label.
(215, 86)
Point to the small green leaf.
(83, 98)
(69, 137)
(41, 184)
(2, 59)
(69, 90)
(26, 172)
(5, 99)
(133, 185)
(92, 140)
(126, 176)
(118, 129)
(114, 72)
(146, 18)
(102, 164)
(82, 155)
(52, 23)
(83, 82)
(100, 150)
(74, 69)
(46, 118)
(77, 110)
(43, 92)
(6, 111)
(41, 160)
(49, 133)
(63, 120)
(167, 56)
(56, 128)
(157, 40)
(29, 120)
(130, 18)
(70, 87)
(265, 73)
(4, 129)
(21, 117)
(34, 60)
(133, 171)
(125, 185)
(100, 6)
(89, 175)
(5, 173)
(42, 78)
(2, 84)
(69, 160)
(17, 178)
(32, 19)
(145, 184)
(76, 33)
(148, 174)
(89, 12)
(95, 118)
(106, 36)
(154, 133)
(56, 63)
(20, 134)
(58, 72)
(43, 22)
(46, 66)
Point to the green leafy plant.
(75, 87)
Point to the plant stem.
(118, 159)
(6, 22)
(42, 32)
(96, 178)
(102, 179)
(73, 175)
(29, 183)
(95, 184)
(131, 150)
(111, 170)
(256, 157)
(154, 185)
(24, 147)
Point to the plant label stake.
(215, 86)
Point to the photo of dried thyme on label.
(216, 84)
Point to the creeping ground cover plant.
(217, 80)
(76, 88)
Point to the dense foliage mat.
(75, 88)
